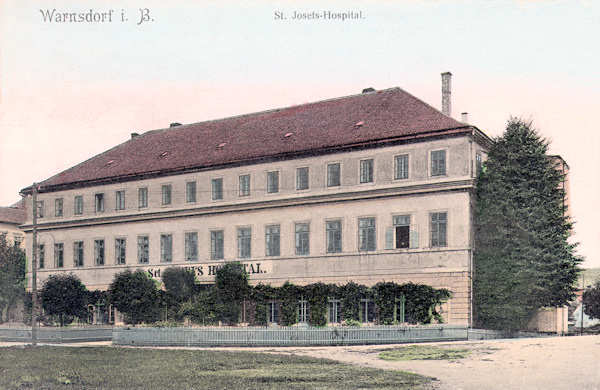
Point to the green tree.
(180, 288)
(135, 295)
(591, 300)
(65, 297)
(523, 260)
(12, 276)
(231, 281)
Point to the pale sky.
(71, 90)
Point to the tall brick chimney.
(446, 91)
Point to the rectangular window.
(78, 253)
(273, 312)
(120, 200)
(400, 309)
(367, 310)
(333, 175)
(216, 245)
(401, 167)
(190, 192)
(402, 231)
(438, 224)
(244, 185)
(41, 255)
(244, 243)
(98, 252)
(166, 194)
(366, 171)
(478, 163)
(366, 234)
(58, 207)
(191, 246)
(438, 162)
(217, 189)
(272, 240)
(143, 197)
(302, 178)
(302, 231)
(334, 236)
(40, 209)
(335, 310)
(303, 311)
(99, 203)
(59, 255)
(78, 205)
(120, 251)
(273, 182)
(166, 248)
(143, 249)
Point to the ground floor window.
(335, 310)
(367, 310)
(273, 312)
(400, 310)
(303, 311)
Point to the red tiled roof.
(13, 215)
(309, 128)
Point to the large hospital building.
(373, 187)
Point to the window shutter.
(414, 239)
(389, 238)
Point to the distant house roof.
(15, 214)
(322, 127)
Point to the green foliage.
(262, 294)
(135, 295)
(317, 295)
(65, 297)
(232, 283)
(351, 294)
(421, 302)
(523, 260)
(288, 295)
(12, 275)
(591, 300)
(180, 287)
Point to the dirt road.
(541, 363)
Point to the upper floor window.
(40, 209)
(143, 249)
(99, 203)
(302, 231)
(58, 207)
(190, 192)
(366, 171)
(78, 254)
(41, 255)
(143, 197)
(366, 234)
(59, 255)
(166, 194)
(98, 252)
(438, 224)
(402, 231)
(401, 167)
(333, 175)
(438, 162)
(216, 245)
(166, 248)
(244, 243)
(244, 185)
(302, 178)
(272, 240)
(217, 189)
(120, 251)
(272, 182)
(120, 200)
(334, 236)
(478, 163)
(78, 204)
(191, 246)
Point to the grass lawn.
(424, 352)
(140, 368)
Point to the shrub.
(65, 297)
(135, 295)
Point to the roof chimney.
(133, 135)
(175, 124)
(465, 117)
(446, 78)
(367, 90)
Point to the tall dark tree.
(231, 281)
(135, 295)
(12, 275)
(64, 296)
(523, 260)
